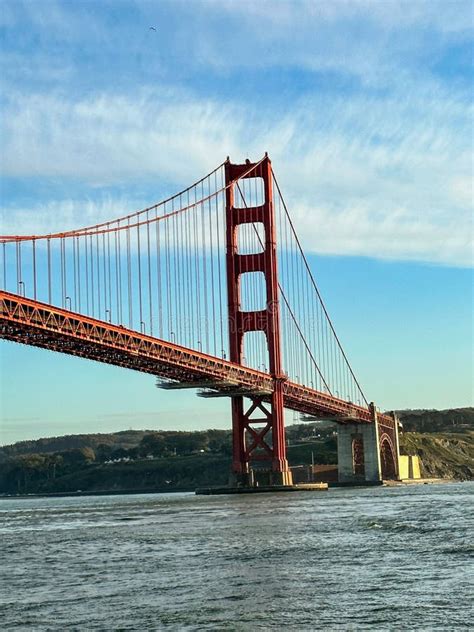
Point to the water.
(361, 559)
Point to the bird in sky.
(152, 28)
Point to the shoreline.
(102, 492)
(192, 490)
(420, 481)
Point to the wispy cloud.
(392, 14)
(369, 176)
(379, 43)
(376, 162)
(109, 137)
(65, 214)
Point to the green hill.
(125, 439)
(452, 420)
(169, 460)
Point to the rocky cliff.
(443, 455)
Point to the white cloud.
(377, 43)
(65, 214)
(106, 138)
(384, 170)
(391, 14)
(395, 234)
(377, 177)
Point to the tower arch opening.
(358, 465)
(387, 457)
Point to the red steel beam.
(38, 324)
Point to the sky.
(365, 109)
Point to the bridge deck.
(41, 325)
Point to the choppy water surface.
(374, 558)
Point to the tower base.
(257, 478)
(305, 487)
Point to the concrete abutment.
(368, 452)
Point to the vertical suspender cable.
(91, 250)
(109, 276)
(204, 267)
(139, 263)
(158, 276)
(168, 276)
(34, 268)
(150, 302)
(117, 292)
(49, 270)
(219, 272)
(4, 248)
(213, 289)
(129, 279)
(99, 301)
(87, 275)
(79, 289)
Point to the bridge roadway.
(41, 325)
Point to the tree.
(187, 442)
(119, 453)
(153, 444)
(220, 441)
(104, 452)
(77, 457)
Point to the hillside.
(129, 440)
(456, 420)
(443, 455)
(158, 460)
(451, 420)
(125, 439)
(152, 466)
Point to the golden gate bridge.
(209, 289)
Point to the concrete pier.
(364, 438)
(304, 487)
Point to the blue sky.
(366, 111)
